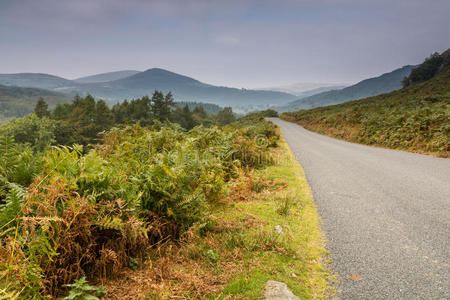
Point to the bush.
(96, 213)
(31, 130)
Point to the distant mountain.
(370, 87)
(144, 83)
(414, 118)
(184, 89)
(309, 93)
(35, 80)
(18, 101)
(310, 88)
(104, 77)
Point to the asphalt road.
(385, 213)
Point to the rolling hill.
(183, 88)
(144, 83)
(370, 87)
(104, 77)
(414, 118)
(19, 101)
(36, 80)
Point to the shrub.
(71, 215)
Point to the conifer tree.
(41, 108)
(161, 105)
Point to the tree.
(201, 116)
(405, 81)
(104, 118)
(37, 132)
(427, 70)
(200, 112)
(61, 111)
(121, 112)
(183, 116)
(41, 108)
(169, 102)
(161, 105)
(226, 116)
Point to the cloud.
(258, 40)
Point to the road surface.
(385, 214)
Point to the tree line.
(427, 70)
(82, 121)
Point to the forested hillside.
(139, 84)
(84, 119)
(18, 101)
(415, 118)
(36, 80)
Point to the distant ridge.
(105, 77)
(304, 89)
(19, 101)
(183, 88)
(413, 118)
(35, 80)
(312, 92)
(367, 88)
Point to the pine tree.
(41, 108)
(104, 119)
(161, 105)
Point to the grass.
(299, 262)
(233, 255)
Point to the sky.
(239, 43)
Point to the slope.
(144, 83)
(415, 118)
(104, 77)
(35, 80)
(370, 87)
(183, 88)
(18, 101)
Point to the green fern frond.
(108, 222)
(11, 208)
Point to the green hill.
(36, 80)
(370, 87)
(18, 101)
(415, 118)
(183, 88)
(144, 83)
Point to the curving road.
(385, 213)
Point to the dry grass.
(195, 268)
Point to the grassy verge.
(241, 247)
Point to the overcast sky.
(241, 43)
